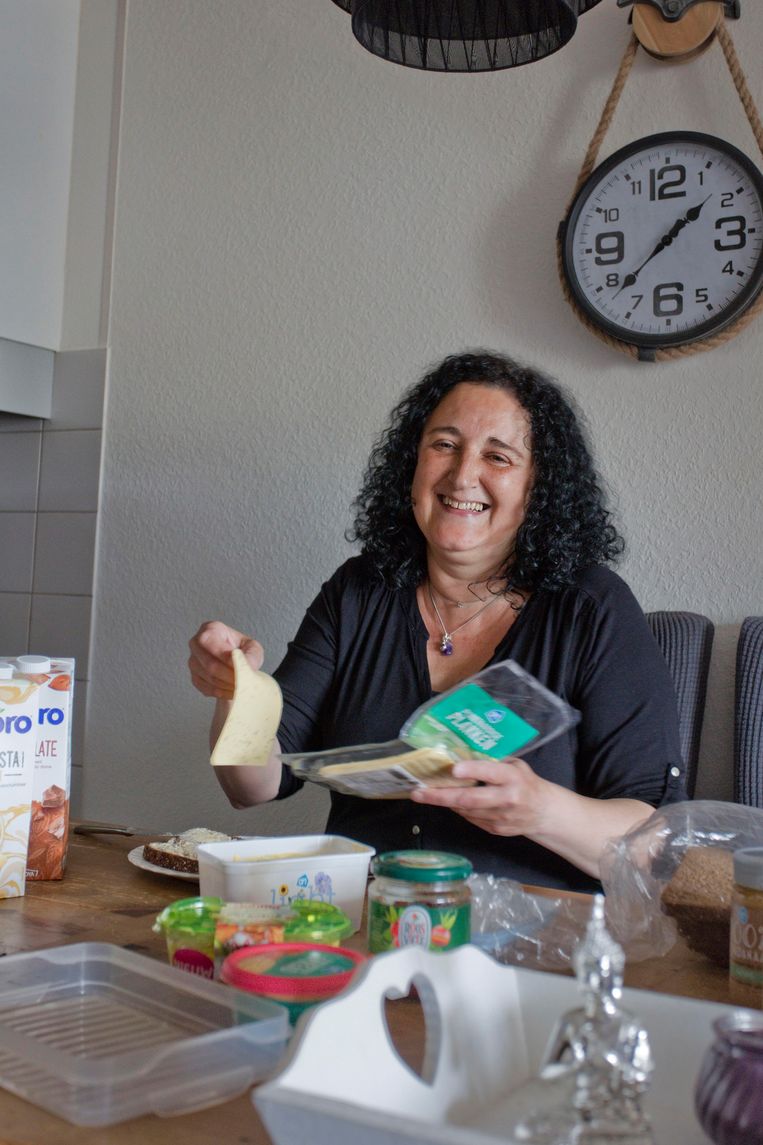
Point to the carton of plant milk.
(49, 828)
(19, 706)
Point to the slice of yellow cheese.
(252, 722)
(423, 763)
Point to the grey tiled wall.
(49, 478)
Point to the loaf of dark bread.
(698, 897)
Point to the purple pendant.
(446, 645)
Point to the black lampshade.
(464, 35)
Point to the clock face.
(663, 244)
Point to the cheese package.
(496, 714)
(19, 707)
(250, 728)
(378, 770)
(393, 775)
(49, 827)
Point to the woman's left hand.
(512, 801)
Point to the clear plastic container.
(97, 1035)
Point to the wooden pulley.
(680, 39)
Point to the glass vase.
(728, 1098)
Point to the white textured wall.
(301, 229)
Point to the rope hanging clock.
(661, 250)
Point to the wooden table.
(104, 898)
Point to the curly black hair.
(567, 526)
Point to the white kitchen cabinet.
(59, 78)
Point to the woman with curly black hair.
(484, 536)
(566, 526)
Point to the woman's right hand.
(212, 674)
(210, 660)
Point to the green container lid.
(319, 922)
(194, 915)
(422, 866)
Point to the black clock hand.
(691, 216)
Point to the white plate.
(135, 856)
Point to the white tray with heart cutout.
(487, 1026)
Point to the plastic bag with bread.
(673, 874)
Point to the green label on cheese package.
(471, 716)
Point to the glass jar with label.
(746, 937)
(419, 898)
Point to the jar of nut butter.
(746, 937)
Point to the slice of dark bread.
(179, 852)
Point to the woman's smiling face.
(474, 474)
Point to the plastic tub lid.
(248, 913)
(748, 867)
(196, 915)
(37, 664)
(317, 922)
(291, 969)
(422, 866)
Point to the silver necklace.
(464, 603)
(446, 641)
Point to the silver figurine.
(598, 1063)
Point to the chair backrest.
(748, 714)
(686, 641)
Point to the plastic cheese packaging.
(422, 765)
(252, 722)
(500, 712)
(19, 708)
(49, 826)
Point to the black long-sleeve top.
(357, 669)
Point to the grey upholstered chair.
(686, 641)
(748, 714)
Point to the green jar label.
(414, 924)
(471, 716)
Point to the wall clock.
(662, 245)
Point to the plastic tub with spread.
(297, 975)
(189, 927)
(279, 871)
(251, 924)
